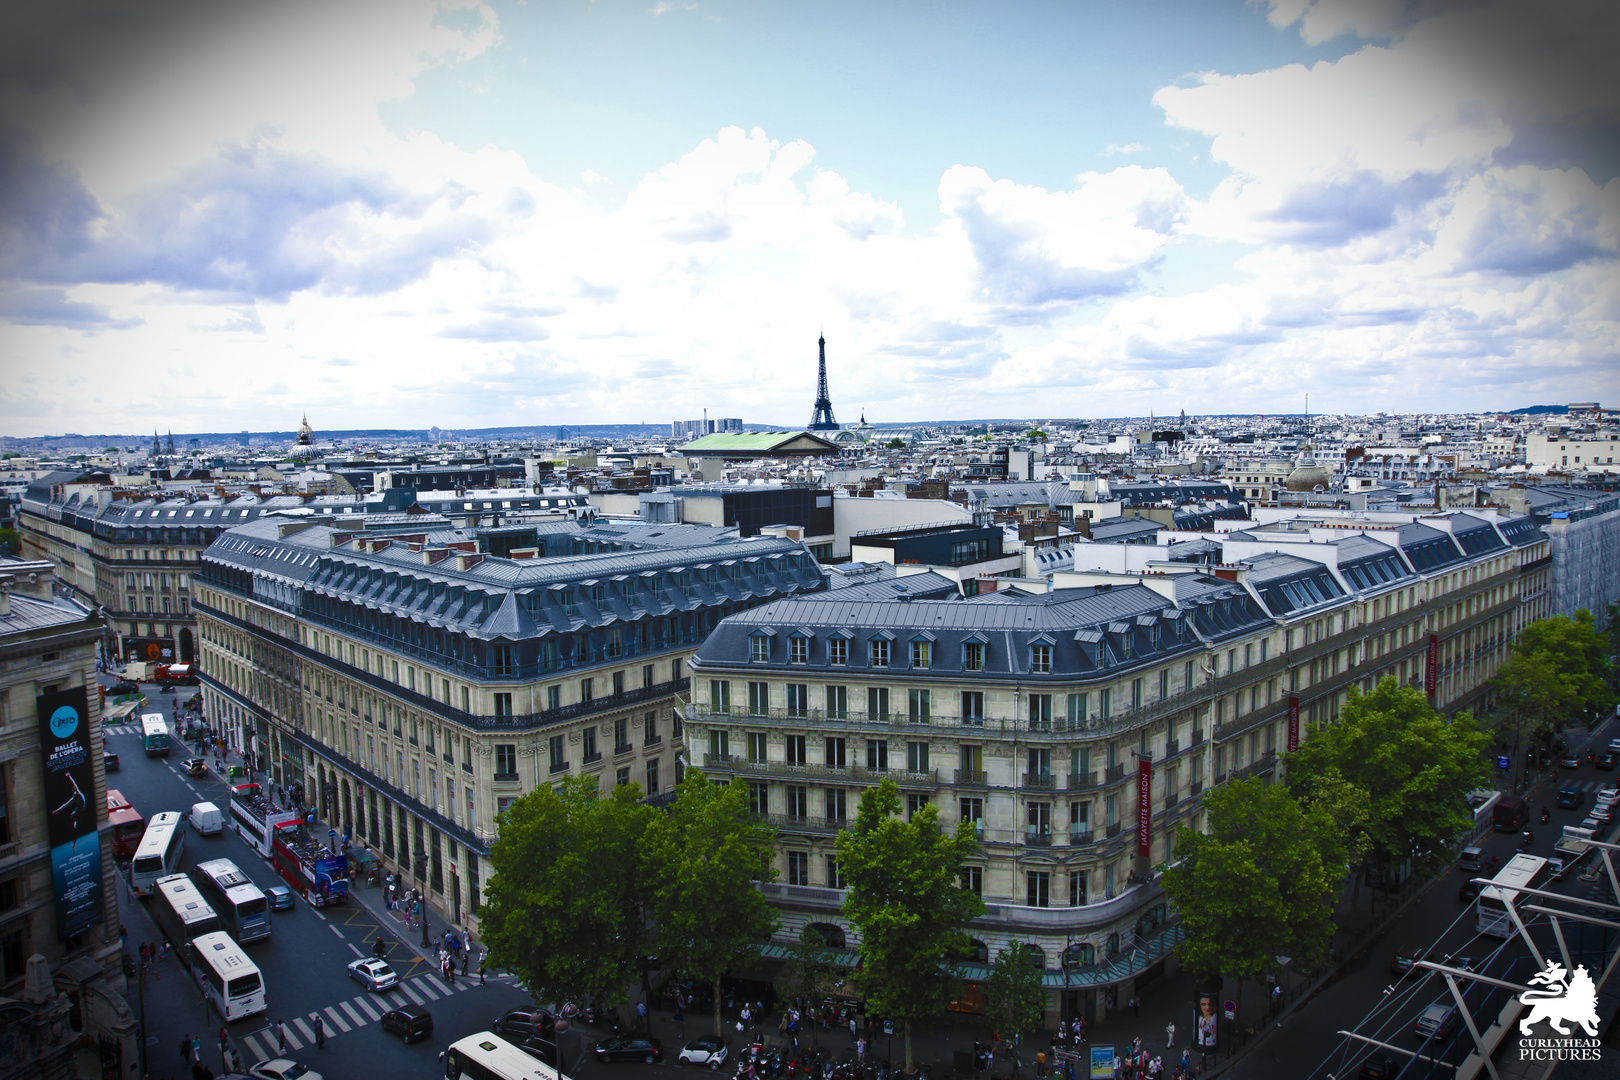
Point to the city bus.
(127, 826)
(487, 1056)
(181, 912)
(1521, 872)
(155, 734)
(159, 852)
(244, 913)
(227, 977)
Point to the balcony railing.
(1114, 772)
(971, 778)
(1035, 838)
(1041, 781)
(1077, 781)
(1079, 834)
(1113, 830)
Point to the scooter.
(1546, 815)
(1526, 838)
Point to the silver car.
(373, 974)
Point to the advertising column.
(64, 737)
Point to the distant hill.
(1537, 410)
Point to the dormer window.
(759, 649)
(922, 654)
(973, 656)
(879, 654)
(1040, 659)
(798, 649)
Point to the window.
(618, 682)
(1040, 712)
(553, 697)
(719, 695)
(622, 777)
(588, 744)
(1077, 710)
(759, 798)
(972, 811)
(501, 660)
(838, 702)
(1105, 703)
(650, 725)
(915, 801)
(798, 700)
(503, 704)
(877, 702)
(798, 867)
(759, 649)
(973, 656)
(587, 690)
(798, 650)
(1077, 892)
(621, 735)
(877, 755)
(879, 652)
(1040, 659)
(652, 777)
(837, 806)
(922, 654)
(1038, 888)
(559, 753)
(759, 698)
(918, 709)
(506, 761)
(838, 651)
(973, 879)
(795, 750)
(917, 757)
(757, 746)
(835, 875)
(973, 706)
(834, 757)
(719, 745)
(798, 801)
(1136, 693)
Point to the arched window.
(1079, 954)
(832, 935)
(977, 952)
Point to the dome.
(1307, 475)
(306, 434)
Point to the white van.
(206, 818)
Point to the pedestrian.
(185, 1048)
(236, 1060)
(852, 1025)
(320, 1033)
(1170, 1034)
(281, 1036)
(641, 1015)
(196, 1049)
(1040, 1063)
(466, 957)
(1136, 1005)
(680, 1017)
(481, 983)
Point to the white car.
(373, 974)
(710, 1050)
(282, 1069)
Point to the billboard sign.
(1144, 806)
(70, 789)
(1431, 666)
(1293, 722)
(1206, 1023)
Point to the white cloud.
(1123, 148)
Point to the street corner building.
(416, 684)
(60, 961)
(1076, 724)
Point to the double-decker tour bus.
(255, 816)
(316, 872)
(181, 912)
(155, 734)
(227, 977)
(1521, 872)
(244, 912)
(127, 826)
(158, 854)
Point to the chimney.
(5, 595)
(467, 562)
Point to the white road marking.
(356, 949)
(255, 1051)
(334, 930)
(410, 992)
(307, 1031)
(359, 1021)
(337, 1019)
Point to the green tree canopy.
(1014, 999)
(702, 861)
(906, 900)
(1258, 884)
(565, 903)
(1560, 667)
(896, 444)
(1412, 766)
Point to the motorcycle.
(1546, 815)
(1526, 838)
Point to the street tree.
(1560, 668)
(1258, 883)
(1014, 999)
(811, 971)
(906, 900)
(1413, 768)
(565, 903)
(703, 861)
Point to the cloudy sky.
(221, 214)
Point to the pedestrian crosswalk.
(359, 1011)
(121, 729)
(1590, 785)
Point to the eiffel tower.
(821, 417)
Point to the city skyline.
(412, 215)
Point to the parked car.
(520, 1024)
(282, 1069)
(542, 1048)
(1605, 761)
(1602, 812)
(629, 1048)
(410, 1022)
(280, 897)
(1569, 761)
(710, 1050)
(1571, 797)
(372, 973)
(109, 761)
(194, 767)
(1380, 1068)
(1471, 857)
(123, 686)
(1436, 1021)
(1404, 962)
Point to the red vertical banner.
(1431, 666)
(1293, 722)
(1144, 806)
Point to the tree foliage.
(564, 905)
(906, 901)
(702, 861)
(1258, 884)
(1559, 668)
(1014, 999)
(1412, 766)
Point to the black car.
(1468, 890)
(1605, 761)
(629, 1048)
(1380, 1068)
(123, 686)
(542, 1048)
(1403, 962)
(410, 1022)
(1571, 797)
(520, 1024)
(109, 761)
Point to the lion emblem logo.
(1566, 999)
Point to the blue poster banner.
(70, 790)
(1102, 1063)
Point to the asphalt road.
(1368, 999)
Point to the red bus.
(127, 826)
